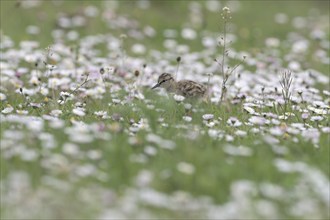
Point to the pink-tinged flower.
(312, 135)
(320, 104)
(316, 118)
(276, 131)
(208, 117)
(326, 130)
(275, 121)
(258, 120)
(304, 115)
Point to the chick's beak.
(155, 86)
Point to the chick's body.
(186, 88)
(190, 88)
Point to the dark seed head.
(178, 59)
(102, 70)
(137, 73)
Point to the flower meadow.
(83, 136)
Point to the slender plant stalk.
(286, 82)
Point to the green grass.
(215, 170)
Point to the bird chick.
(186, 88)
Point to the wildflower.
(213, 133)
(101, 114)
(34, 81)
(35, 125)
(316, 118)
(209, 124)
(115, 127)
(56, 112)
(281, 18)
(318, 110)
(187, 118)
(149, 150)
(22, 112)
(123, 36)
(28, 155)
(187, 106)
(229, 138)
(8, 109)
(2, 97)
(272, 42)
(166, 144)
(276, 131)
(255, 130)
(232, 121)
(275, 121)
(138, 49)
(226, 10)
(178, 98)
(238, 151)
(208, 117)
(44, 91)
(326, 92)
(70, 149)
(319, 104)
(304, 115)
(79, 111)
(312, 135)
(240, 133)
(226, 14)
(213, 5)
(56, 124)
(326, 130)
(85, 170)
(258, 120)
(144, 178)
(186, 168)
(249, 110)
(189, 34)
(116, 101)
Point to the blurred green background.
(254, 20)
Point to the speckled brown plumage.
(186, 88)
